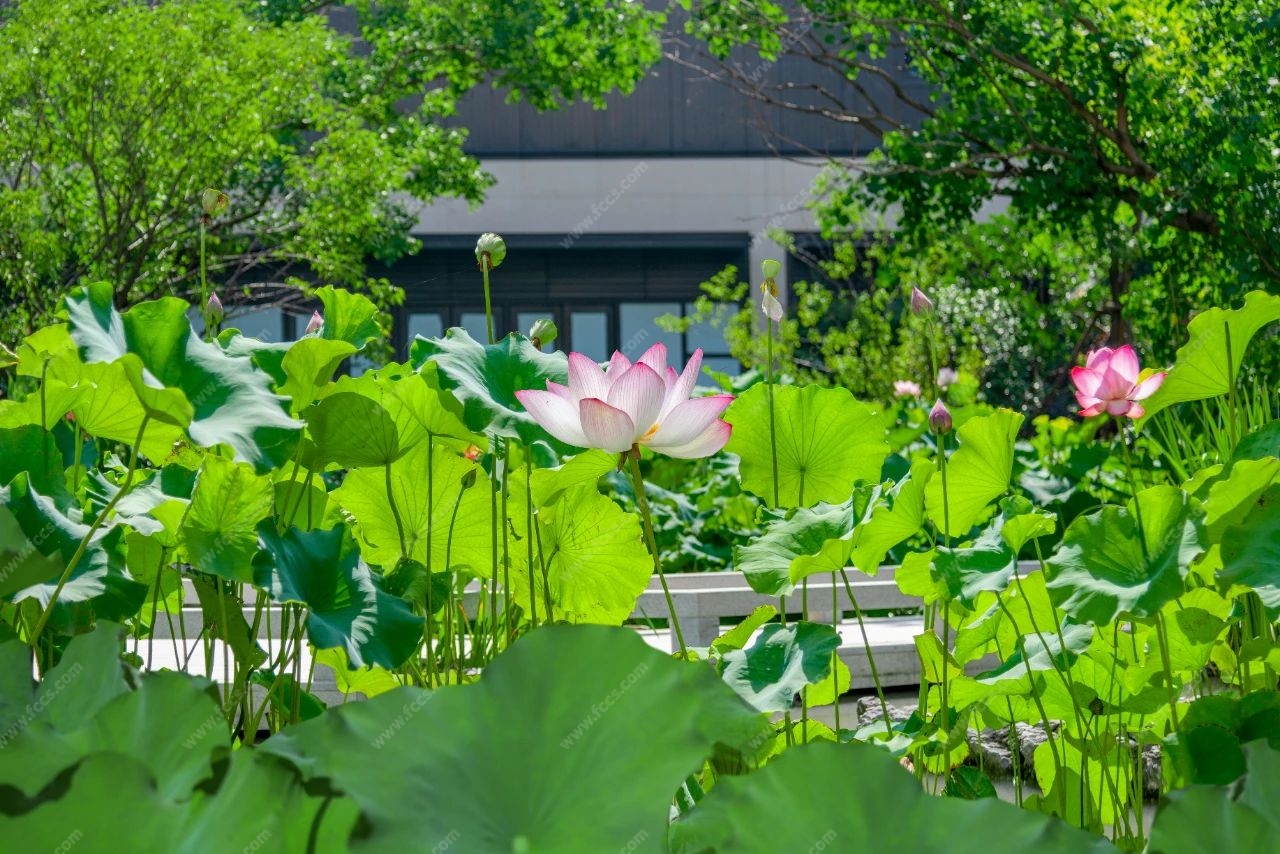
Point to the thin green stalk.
(529, 544)
(946, 608)
(124, 490)
(1163, 638)
(395, 513)
(835, 654)
(488, 304)
(773, 430)
(642, 501)
(1234, 426)
(871, 659)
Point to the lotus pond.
(195, 527)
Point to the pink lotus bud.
(940, 419)
(213, 308)
(315, 324)
(920, 304)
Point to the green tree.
(114, 116)
(1139, 137)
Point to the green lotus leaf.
(106, 407)
(1251, 551)
(184, 381)
(453, 748)
(308, 366)
(593, 554)
(353, 431)
(796, 545)
(1229, 498)
(1205, 365)
(443, 502)
(416, 402)
(1107, 568)
(349, 317)
(977, 473)
(826, 442)
(835, 797)
(1239, 817)
(345, 607)
(220, 531)
(85, 707)
(779, 663)
(35, 451)
(580, 470)
(38, 538)
(897, 516)
(486, 379)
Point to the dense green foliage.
(1132, 146)
(414, 531)
(114, 117)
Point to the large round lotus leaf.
(575, 741)
(415, 401)
(782, 660)
(259, 805)
(182, 380)
(1107, 568)
(353, 431)
(595, 559)
(444, 509)
(486, 379)
(220, 529)
(977, 473)
(794, 546)
(826, 441)
(1239, 817)
(348, 317)
(1211, 358)
(848, 797)
(345, 606)
(1251, 551)
(37, 541)
(84, 707)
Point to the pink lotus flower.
(627, 405)
(906, 388)
(1108, 382)
(315, 324)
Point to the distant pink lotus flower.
(626, 405)
(906, 388)
(1108, 382)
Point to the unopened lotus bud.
(770, 268)
(920, 304)
(214, 202)
(213, 308)
(315, 324)
(940, 419)
(491, 250)
(543, 332)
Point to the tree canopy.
(1142, 136)
(327, 125)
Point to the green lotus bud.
(543, 332)
(214, 202)
(492, 247)
(770, 268)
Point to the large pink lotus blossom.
(626, 405)
(1108, 382)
